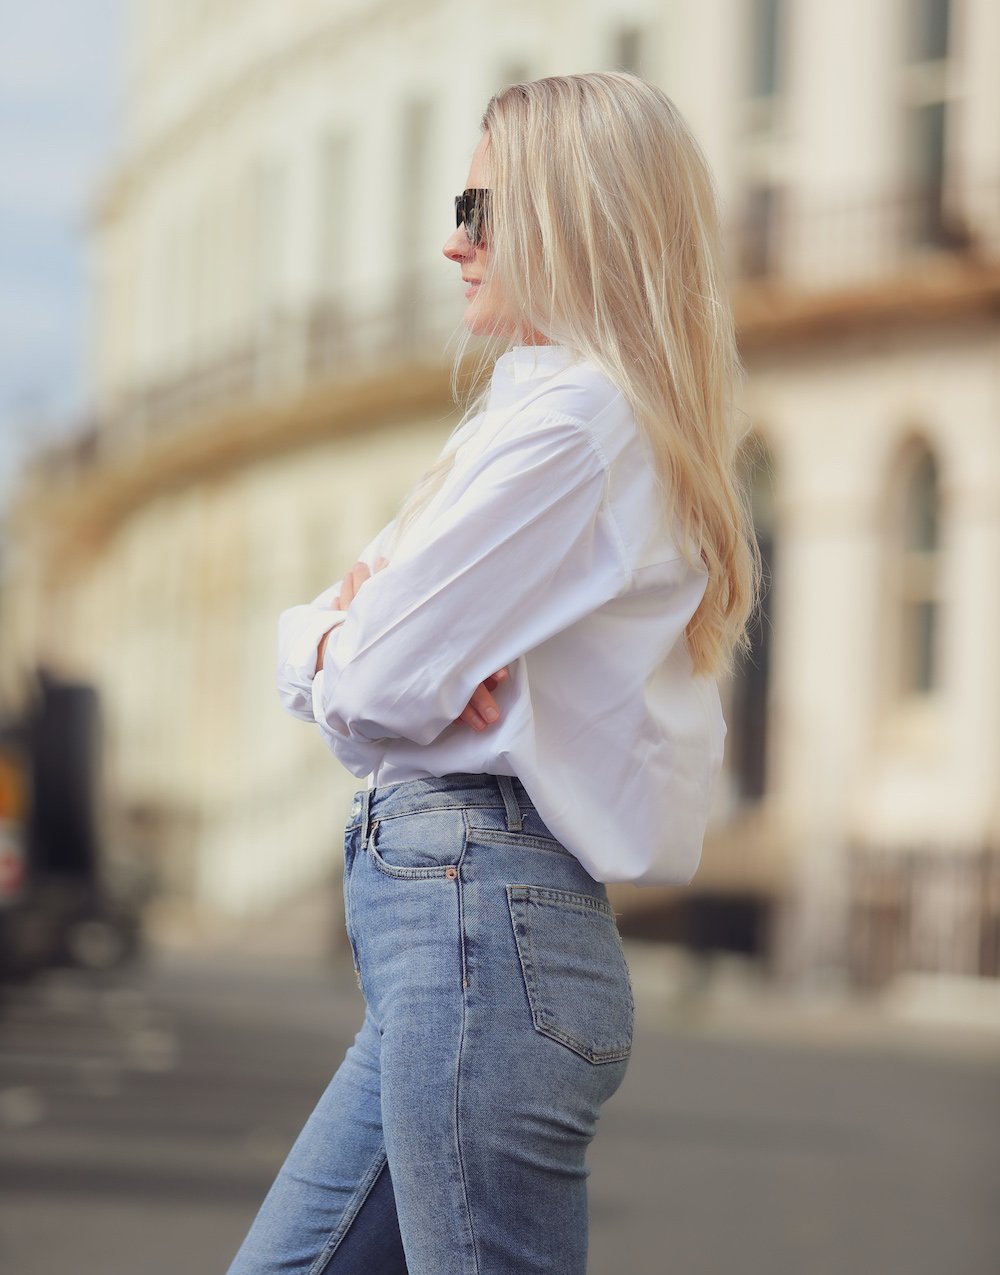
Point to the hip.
(456, 891)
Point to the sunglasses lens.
(470, 210)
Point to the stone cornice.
(78, 510)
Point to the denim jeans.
(498, 1018)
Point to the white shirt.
(548, 549)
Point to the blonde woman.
(524, 666)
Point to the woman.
(523, 663)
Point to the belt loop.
(510, 803)
(366, 805)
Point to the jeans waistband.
(441, 791)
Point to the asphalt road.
(143, 1116)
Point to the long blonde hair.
(604, 236)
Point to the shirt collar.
(516, 370)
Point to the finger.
(494, 679)
(484, 704)
(476, 712)
(471, 718)
(346, 591)
(380, 563)
(353, 581)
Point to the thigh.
(331, 1207)
(506, 1015)
(406, 918)
(547, 1042)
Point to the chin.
(486, 324)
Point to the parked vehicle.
(60, 905)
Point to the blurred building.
(271, 374)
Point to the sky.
(60, 99)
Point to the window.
(413, 169)
(333, 212)
(926, 144)
(757, 237)
(269, 211)
(763, 178)
(413, 229)
(766, 71)
(747, 745)
(930, 21)
(925, 124)
(915, 571)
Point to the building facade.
(271, 374)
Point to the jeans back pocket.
(575, 973)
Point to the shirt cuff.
(300, 661)
(317, 696)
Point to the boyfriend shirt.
(548, 549)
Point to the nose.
(457, 246)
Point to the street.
(143, 1116)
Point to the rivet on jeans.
(451, 873)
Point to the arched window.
(747, 741)
(915, 572)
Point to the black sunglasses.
(471, 207)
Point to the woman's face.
(486, 313)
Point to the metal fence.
(783, 236)
(922, 910)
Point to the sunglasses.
(471, 207)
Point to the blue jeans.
(452, 1139)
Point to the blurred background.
(225, 339)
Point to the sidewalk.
(724, 996)
(727, 997)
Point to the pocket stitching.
(391, 870)
(521, 895)
(527, 839)
(350, 858)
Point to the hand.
(353, 581)
(482, 701)
(349, 587)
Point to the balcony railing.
(923, 910)
(286, 356)
(779, 241)
(810, 244)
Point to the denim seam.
(526, 839)
(349, 865)
(458, 1132)
(461, 914)
(558, 897)
(350, 1213)
(454, 805)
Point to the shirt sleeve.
(520, 553)
(300, 630)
